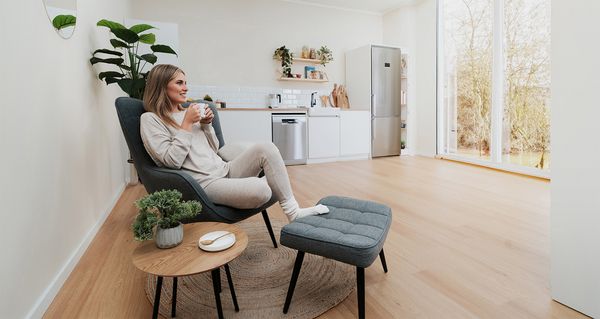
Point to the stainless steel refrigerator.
(385, 101)
(373, 78)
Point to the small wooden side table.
(187, 259)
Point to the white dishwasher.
(290, 137)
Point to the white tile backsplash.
(254, 97)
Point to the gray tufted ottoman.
(352, 232)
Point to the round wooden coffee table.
(187, 259)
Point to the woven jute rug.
(261, 276)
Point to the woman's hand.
(192, 115)
(208, 116)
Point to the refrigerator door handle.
(373, 100)
(372, 131)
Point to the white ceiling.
(371, 6)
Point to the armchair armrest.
(166, 178)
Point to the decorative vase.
(169, 237)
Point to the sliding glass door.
(494, 82)
(467, 77)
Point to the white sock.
(308, 211)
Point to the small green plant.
(62, 21)
(286, 58)
(325, 55)
(163, 209)
(130, 77)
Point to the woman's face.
(177, 89)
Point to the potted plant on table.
(163, 211)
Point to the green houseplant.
(286, 58)
(164, 211)
(62, 21)
(325, 55)
(124, 55)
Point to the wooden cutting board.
(342, 98)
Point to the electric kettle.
(274, 100)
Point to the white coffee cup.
(202, 109)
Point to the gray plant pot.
(170, 237)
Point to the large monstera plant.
(124, 55)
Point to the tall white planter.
(133, 176)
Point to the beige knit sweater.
(194, 152)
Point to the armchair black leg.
(268, 223)
(382, 257)
(295, 273)
(360, 291)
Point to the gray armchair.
(156, 178)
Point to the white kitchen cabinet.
(355, 133)
(246, 126)
(323, 137)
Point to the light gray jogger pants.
(243, 189)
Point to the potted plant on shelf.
(286, 58)
(163, 211)
(130, 76)
(325, 55)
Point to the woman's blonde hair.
(156, 99)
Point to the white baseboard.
(44, 301)
(338, 159)
(354, 157)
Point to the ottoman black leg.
(269, 228)
(157, 297)
(216, 278)
(174, 300)
(382, 257)
(295, 273)
(360, 291)
(235, 304)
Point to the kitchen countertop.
(276, 110)
(261, 109)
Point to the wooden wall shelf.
(313, 61)
(303, 80)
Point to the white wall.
(413, 28)
(575, 210)
(62, 164)
(232, 42)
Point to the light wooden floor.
(466, 242)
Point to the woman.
(185, 139)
